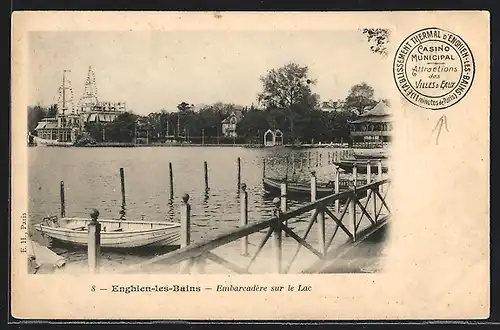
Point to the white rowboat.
(114, 233)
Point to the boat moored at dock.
(114, 233)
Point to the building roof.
(46, 125)
(381, 109)
(378, 114)
(237, 113)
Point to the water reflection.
(123, 211)
(171, 210)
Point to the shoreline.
(249, 146)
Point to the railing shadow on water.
(347, 219)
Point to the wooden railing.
(347, 210)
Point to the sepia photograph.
(171, 151)
(253, 166)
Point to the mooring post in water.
(122, 181)
(277, 238)
(63, 205)
(320, 160)
(205, 169)
(337, 188)
(171, 176)
(293, 165)
(263, 168)
(244, 217)
(238, 161)
(317, 159)
(94, 242)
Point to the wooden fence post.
(337, 188)
(368, 181)
(283, 200)
(205, 169)
(239, 172)
(122, 181)
(352, 213)
(355, 175)
(171, 176)
(244, 217)
(185, 238)
(94, 242)
(277, 239)
(379, 173)
(63, 205)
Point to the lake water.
(92, 180)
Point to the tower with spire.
(89, 99)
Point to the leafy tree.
(378, 39)
(287, 89)
(35, 114)
(184, 107)
(359, 98)
(253, 125)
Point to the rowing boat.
(301, 190)
(114, 233)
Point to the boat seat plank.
(77, 228)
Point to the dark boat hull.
(348, 165)
(300, 191)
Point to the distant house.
(229, 124)
(50, 129)
(331, 106)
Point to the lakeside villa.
(70, 121)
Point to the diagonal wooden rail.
(348, 220)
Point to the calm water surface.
(92, 180)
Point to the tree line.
(286, 103)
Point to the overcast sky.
(151, 71)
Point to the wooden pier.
(342, 221)
(240, 249)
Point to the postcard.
(250, 165)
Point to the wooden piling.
(263, 168)
(171, 176)
(277, 238)
(293, 164)
(239, 172)
(94, 242)
(63, 202)
(205, 169)
(317, 159)
(244, 217)
(320, 160)
(122, 181)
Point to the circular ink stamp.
(433, 68)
